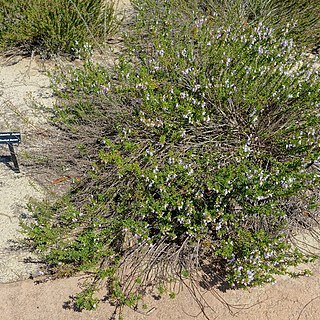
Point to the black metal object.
(11, 138)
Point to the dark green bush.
(208, 165)
(58, 26)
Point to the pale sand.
(289, 299)
(21, 80)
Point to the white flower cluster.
(151, 123)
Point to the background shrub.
(58, 26)
(299, 17)
(205, 161)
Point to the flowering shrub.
(209, 162)
(300, 16)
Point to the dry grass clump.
(56, 27)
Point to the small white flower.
(184, 52)
(161, 53)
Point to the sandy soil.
(289, 299)
(21, 81)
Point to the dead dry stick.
(150, 311)
(6, 215)
(30, 62)
(306, 306)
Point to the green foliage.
(58, 26)
(208, 162)
(299, 17)
(85, 299)
(84, 96)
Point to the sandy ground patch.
(288, 299)
(21, 82)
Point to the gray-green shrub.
(301, 17)
(208, 165)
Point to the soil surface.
(21, 81)
(288, 299)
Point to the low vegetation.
(55, 27)
(300, 17)
(207, 132)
